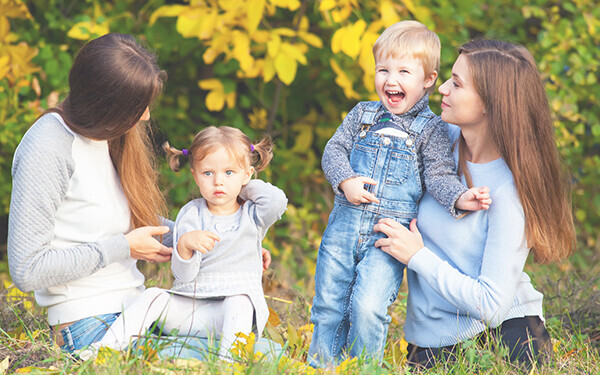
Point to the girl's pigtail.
(173, 156)
(262, 154)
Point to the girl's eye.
(229, 173)
(207, 173)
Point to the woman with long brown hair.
(466, 276)
(85, 203)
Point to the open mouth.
(395, 96)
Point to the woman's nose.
(443, 89)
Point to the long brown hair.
(258, 155)
(111, 83)
(520, 125)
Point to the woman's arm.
(491, 294)
(42, 168)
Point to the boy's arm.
(439, 172)
(269, 201)
(336, 156)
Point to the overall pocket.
(363, 158)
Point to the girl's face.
(220, 178)
(461, 104)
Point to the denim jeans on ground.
(86, 331)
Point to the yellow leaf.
(343, 81)
(284, 31)
(87, 29)
(255, 10)
(269, 70)
(4, 28)
(311, 39)
(261, 36)
(4, 364)
(286, 67)
(304, 138)
(294, 52)
(4, 68)
(337, 39)
(273, 316)
(273, 45)
(351, 42)
(215, 100)
(14, 9)
(210, 84)
(388, 13)
(197, 22)
(230, 99)
(167, 11)
(241, 50)
(326, 5)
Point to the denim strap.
(368, 116)
(422, 118)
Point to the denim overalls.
(355, 282)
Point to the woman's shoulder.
(49, 133)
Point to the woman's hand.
(196, 240)
(143, 246)
(401, 243)
(266, 258)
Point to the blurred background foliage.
(292, 69)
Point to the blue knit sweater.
(470, 274)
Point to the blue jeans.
(355, 282)
(86, 331)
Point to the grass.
(572, 309)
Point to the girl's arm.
(269, 203)
(42, 168)
(439, 172)
(491, 294)
(188, 220)
(336, 155)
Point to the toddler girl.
(217, 263)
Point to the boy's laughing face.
(400, 82)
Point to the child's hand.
(266, 258)
(475, 199)
(354, 190)
(197, 240)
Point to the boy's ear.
(429, 81)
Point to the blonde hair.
(411, 38)
(237, 143)
(520, 124)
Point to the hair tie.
(185, 152)
(251, 147)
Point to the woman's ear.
(249, 173)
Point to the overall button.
(362, 134)
(386, 141)
(409, 142)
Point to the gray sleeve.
(336, 156)
(186, 221)
(269, 203)
(441, 180)
(42, 168)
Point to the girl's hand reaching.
(197, 240)
(142, 244)
(475, 199)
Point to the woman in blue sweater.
(466, 276)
